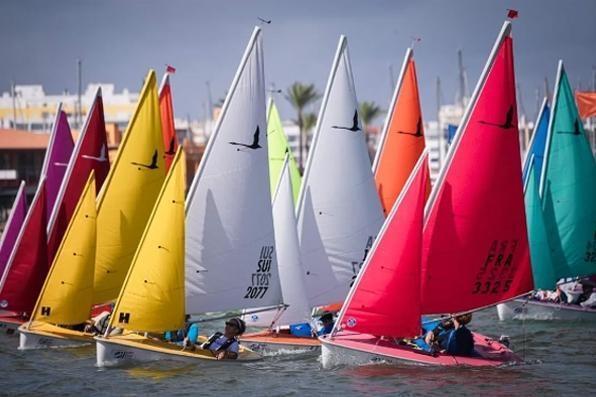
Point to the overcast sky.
(119, 40)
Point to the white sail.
(339, 212)
(288, 258)
(230, 250)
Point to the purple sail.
(13, 226)
(56, 160)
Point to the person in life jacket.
(225, 345)
(452, 336)
(327, 324)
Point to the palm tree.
(300, 96)
(309, 120)
(368, 112)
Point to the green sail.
(568, 188)
(543, 270)
(278, 146)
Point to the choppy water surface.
(561, 359)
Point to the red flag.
(511, 14)
(586, 103)
(170, 69)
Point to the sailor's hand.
(220, 356)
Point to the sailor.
(327, 324)
(225, 345)
(450, 336)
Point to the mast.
(462, 78)
(79, 110)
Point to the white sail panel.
(339, 212)
(288, 257)
(230, 250)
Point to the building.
(29, 108)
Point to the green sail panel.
(543, 269)
(278, 146)
(568, 188)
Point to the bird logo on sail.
(508, 121)
(102, 155)
(171, 151)
(354, 126)
(576, 129)
(418, 132)
(151, 166)
(255, 142)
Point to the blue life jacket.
(302, 330)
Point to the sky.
(119, 40)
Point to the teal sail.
(543, 269)
(568, 187)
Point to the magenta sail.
(13, 226)
(56, 160)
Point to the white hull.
(113, 354)
(333, 355)
(279, 348)
(521, 309)
(31, 341)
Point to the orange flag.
(166, 109)
(586, 103)
(402, 141)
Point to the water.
(560, 359)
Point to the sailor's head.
(235, 326)
(326, 318)
(464, 318)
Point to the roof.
(11, 139)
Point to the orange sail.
(475, 239)
(402, 140)
(166, 109)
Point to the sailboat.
(129, 187)
(27, 265)
(560, 198)
(278, 335)
(278, 149)
(227, 250)
(166, 108)
(402, 138)
(65, 299)
(467, 250)
(338, 210)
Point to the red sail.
(91, 153)
(385, 301)
(475, 241)
(28, 266)
(166, 109)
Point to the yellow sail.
(66, 296)
(129, 194)
(152, 297)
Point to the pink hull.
(489, 352)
